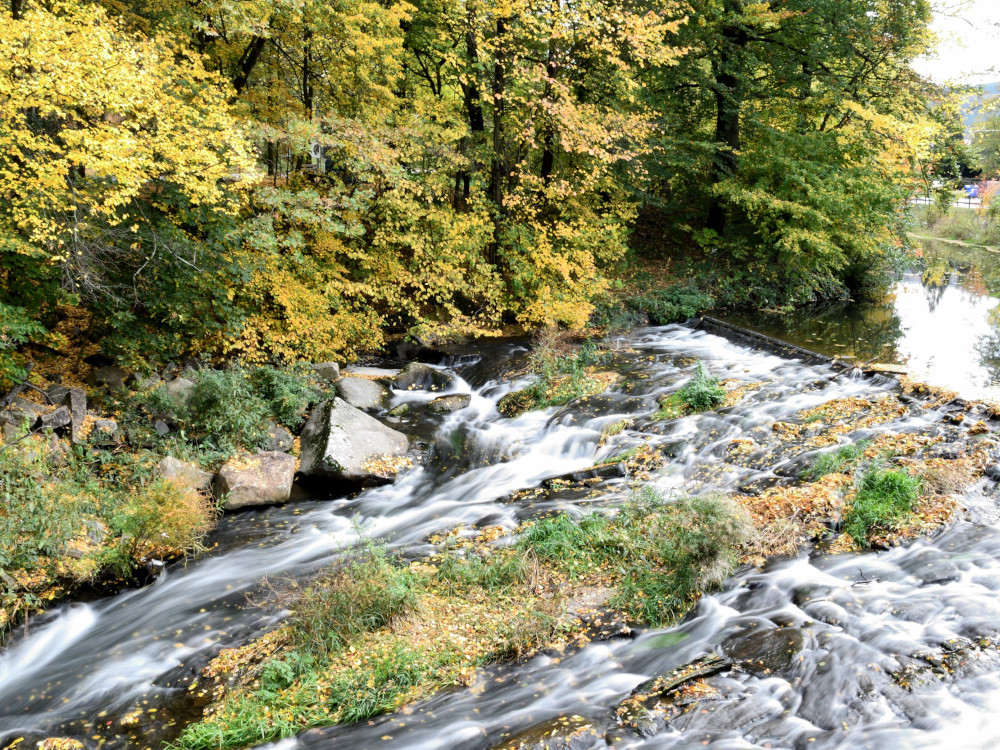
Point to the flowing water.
(85, 664)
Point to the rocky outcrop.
(261, 479)
(110, 376)
(184, 473)
(361, 393)
(417, 376)
(342, 443)
(279, 438)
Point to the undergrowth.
(847, 457)
(701, 393)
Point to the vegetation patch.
(883, 498)
(701, 393)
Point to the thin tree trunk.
(725, 161)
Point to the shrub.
(701, 393)
(673, 304)
(882, 498)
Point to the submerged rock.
(765, 651)
(262, 479)
(447, 404)
(343, 443)
(361, 393)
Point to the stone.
(105, 432)
(111, 376)
(20, 411)
(77, 399)
(361, 393)
(447, 404)
(372, 373)
(58, 394)
(54, 420)
(169, 370)
(340, 442)
(179, 389)
(184, 473)
(399, 411)
(9, 433)
(417, 376)
(279, 438)
(765, 651)
(251, 481)
(161, 428)
(993, 472)
(328, 371)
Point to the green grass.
(845, 457)
(623, 456)
(883, 498)
(701, 393)
(661, 554)
(561, 379)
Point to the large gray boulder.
(261, 479)
(179, 389)
(361, 393)
(329, 371)
(343, 443)
(417, 376)
(184, 473)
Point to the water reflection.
(942, 320)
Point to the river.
(85, 664)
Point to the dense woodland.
(279, 180)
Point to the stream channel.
(84, 664)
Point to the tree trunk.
(15, 9)
(728, 105)
(247, 61)
(548, 155)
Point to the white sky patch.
(969, 47)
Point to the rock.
(993, 472)
(417, 376)
(262, 479)
(58, 453)
(58, 394)
(399, 411)
(279, 439)
(105, 432)
(184, 473)
(328, 371)
(361, 393)
(161, 428)
(111, 376)
(169, 370)
(55, 419)
(447, 404)
(179, 389)
(372, 373)
(21, 411)
(765, 651)
(340, 442)
(9, 433)
(78, 410)
(560, 733)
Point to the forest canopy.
(282, 180)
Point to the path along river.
(85, 664)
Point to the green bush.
(701, 393)
(883, 497)
(673, 304)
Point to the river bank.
(782, 416)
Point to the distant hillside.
(972, 108)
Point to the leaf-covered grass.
(368, 638)
(846, 457)
(661, 554)
(701, 393)
(882, 499)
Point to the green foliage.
(673, 304)
(562, 377)
(367, 594)
(497, 573)
(16, 328)
(883, 497)
(844, 458)
(663, 554)
(701, 393)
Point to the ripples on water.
(85, 662)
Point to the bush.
(882, 498)
(673, 304)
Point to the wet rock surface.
(258, 480)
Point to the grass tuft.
(882, 499)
